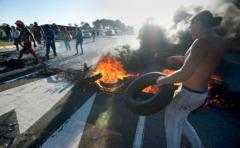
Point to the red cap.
(19, 22)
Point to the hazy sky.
(131, 12)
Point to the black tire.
(136, 100)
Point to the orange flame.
(153, 89)
(167, 71)
(211, 100)
(214, 80)
(111, 69)
(215, 100)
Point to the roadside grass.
(5, 43)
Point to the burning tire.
(116, 85)
(147, 104)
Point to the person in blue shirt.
(79, 40)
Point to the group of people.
(67, 38)
(24, 36)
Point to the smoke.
(229, 28)
(231, 19)
(178, 29)
(179, 33)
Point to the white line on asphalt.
(70, 133)
(2, 68)
(139, 135)
(24, 76)
(67, 60)
(31, 101)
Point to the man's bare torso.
(213, 50)
(25, 35)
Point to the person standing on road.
(7, 30)
(38, 33)
(93, 34)
(200, 61)
(79, 40)
(15, 36)
(26, 37)
(67, 38)
(50, 40)
(55, 29)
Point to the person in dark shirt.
(37, 32)
(8, 30)
(93, 35)
(79, 40)
(50, 40)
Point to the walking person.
(200, 61)
(26, 37)
(38, 33)
(93, 35)
(56, 29)
(15, 36)
(67, 38)
(79, 40)
(7, 30)
(50, 40)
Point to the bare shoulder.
(211, 42)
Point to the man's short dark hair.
(206, 19)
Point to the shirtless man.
(199, 63)
(26, 37)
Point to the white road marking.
(138, 140)
(69, 135)
(2, 68)
(20, 77)
(31, 101)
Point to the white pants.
(176, 114)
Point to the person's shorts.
(186, 99)
(27, 48)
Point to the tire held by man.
(141, 103)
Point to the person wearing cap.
(26, 37)
(199, 63)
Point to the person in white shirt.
(15, 36)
